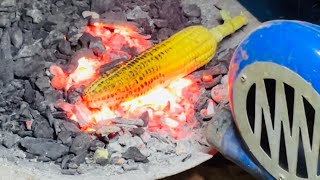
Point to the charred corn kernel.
(176, 57)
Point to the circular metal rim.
(266, 70)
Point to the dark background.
(264, 10)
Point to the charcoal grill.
(274, 85)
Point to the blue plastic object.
(223, 135)
(292, 44)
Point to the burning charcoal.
(9, 139)
(64, 47)
(80, 143)
(44, 147)
(73, 97)
(191, 10)
(4, 21)
(97, 46)
(101, 6)
(164, 33)
(219, 93)
(85, 40)
(137, 13)
(73, 35)
(42, 129)
(53, 37)
(29, 123)
(79, 159)
(211, 83)
(209, 112)
(114, 147)
(17, 38)
(91, 14)
(160, 23)
(138, 122)
(135, 154)
(145, 117)
(65, 161)
(106, 67)
(43, 83)
(101, 156)
(201, 102)
(59, 115)
(130, 50)
(65, 137)
(35, 14)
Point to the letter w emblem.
(291, 135)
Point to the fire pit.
(52, 50)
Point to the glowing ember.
(170, 109)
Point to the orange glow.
(207, 78)
(170, 109)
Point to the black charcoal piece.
(135, 154)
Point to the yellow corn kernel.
(176, 57)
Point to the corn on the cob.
(173, 58)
